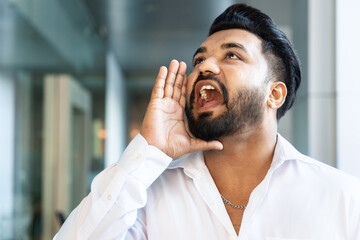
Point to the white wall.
(321, 84)
(115, 113)
(7, 141)
(348, 86)
(314, 111)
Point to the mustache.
(209, 77)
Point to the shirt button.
(109, 197)
(139, 156)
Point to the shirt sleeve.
(113, 209)
(354, 210)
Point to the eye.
(198, 61)
(232, 55)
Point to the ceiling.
(74, 35)
(147, 34)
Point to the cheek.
(240, 77)
(235, 79)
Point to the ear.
(277, 95)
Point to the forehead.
(251, 42)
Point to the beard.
(245, 111)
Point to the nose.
(209, 65)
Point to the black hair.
(278, 50)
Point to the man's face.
(226, 92)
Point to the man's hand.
(163, 125)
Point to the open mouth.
(209, 95)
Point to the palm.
(163, 125)
(171, 132)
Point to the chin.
(209, 113)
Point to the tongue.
(213, 98)
(210, 94)
(213, 95)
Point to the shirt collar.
(284, 151)
(194, 164)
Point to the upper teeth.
(203, 92)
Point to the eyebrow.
(233, 45)
(199, 50)
(223, 46)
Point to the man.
(239, 179)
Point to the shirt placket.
(256, 198)
(211, 196)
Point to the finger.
(170, 78)
(201, 145)
(158, 90)
(179, 81)
(183, 93)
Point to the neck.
(244, 160)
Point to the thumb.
(201, 145)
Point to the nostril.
(207, 71)
(209, 67)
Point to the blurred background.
(76, 77)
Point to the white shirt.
(146, 195)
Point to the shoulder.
(180, 170)
(176, 184)
(331, 176)
(314, 174)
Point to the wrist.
(151, 141)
